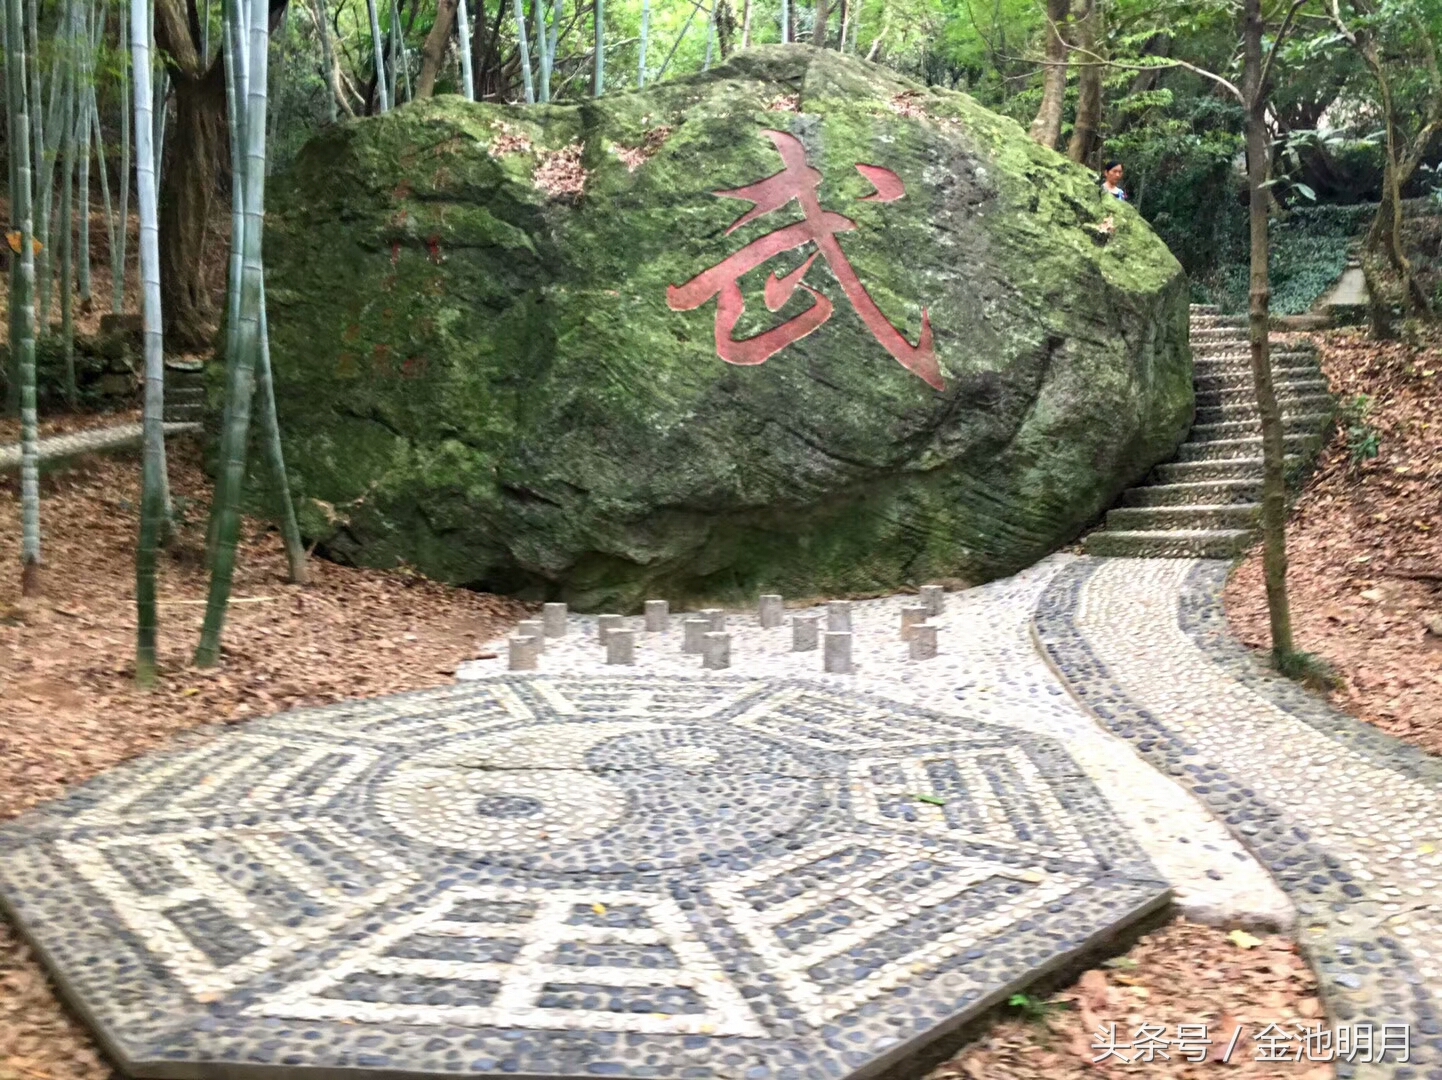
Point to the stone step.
(1207, 322)
(1279, 374)
(185, 393)
(1234, 379)
(1243, 361)
(1247, 410)
(1240, 354)
(1238, 468)
(1227, 449)
(1306, 423)
(1218, 332)
(1204, 309)
(1205, 517)
(1194, 493)
(1231, 394)
(1162, 543)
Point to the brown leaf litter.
(1181, 974)
(633, 157)
(1364, 541)
(560, 173)
(69, 708)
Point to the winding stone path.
(766, 872)
(94, 440)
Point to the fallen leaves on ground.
(69, 708)
(68, 424)
(1182, 974)
(1364, 541)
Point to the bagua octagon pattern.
(536, 876)
(1340, 813)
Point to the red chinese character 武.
(799, 181)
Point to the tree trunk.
(152, 497)
(818, 33)
(22, 295)
(746, 24)
(187, 195)
(1046, 128)
(598, 59)
(525, 52)
(1084, 136)
(433, 52)
(378, 54)
(247, 341)
(463, 49)
(641, 46)
(1274, 485)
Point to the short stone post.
(923, 641)
(836, 657)
(715, 617)
(716, 650)
(620, 646)
(838, 615)
(658, 616)
(933, 598)
(911, 616)
(533, 628)
(770, 610)
(695, 629)
(804, 632)
(554, 618)
(605, 624)
(525, 652)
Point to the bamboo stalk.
(463, 35)
(22, 293)
(543, 48)
(118, 285)
(275, 457)
(598, 59)
(67, 216)
(232, 470)
(378, 54)
(525, 52)
(152, 499)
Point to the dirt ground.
(1364, 541)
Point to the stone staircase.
(1206, 502)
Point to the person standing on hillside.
(1112, 177)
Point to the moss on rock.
(480, 376)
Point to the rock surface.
(499, 355)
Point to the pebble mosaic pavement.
(658, 871)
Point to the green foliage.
(1034, 1009)
(1310, 248)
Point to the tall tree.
(463, 32)
(378, 52)
(818, 32)
(525, 57)
(153, 488)
(1086, 130)
(22, 294)
(188, 185)
(1046, 128)
(598, 55)
(437, 44)
(241, 386)
(641, 47)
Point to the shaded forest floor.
(69, 708)
(1365, 540)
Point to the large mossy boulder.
(499, 355)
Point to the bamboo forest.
(721, 539)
